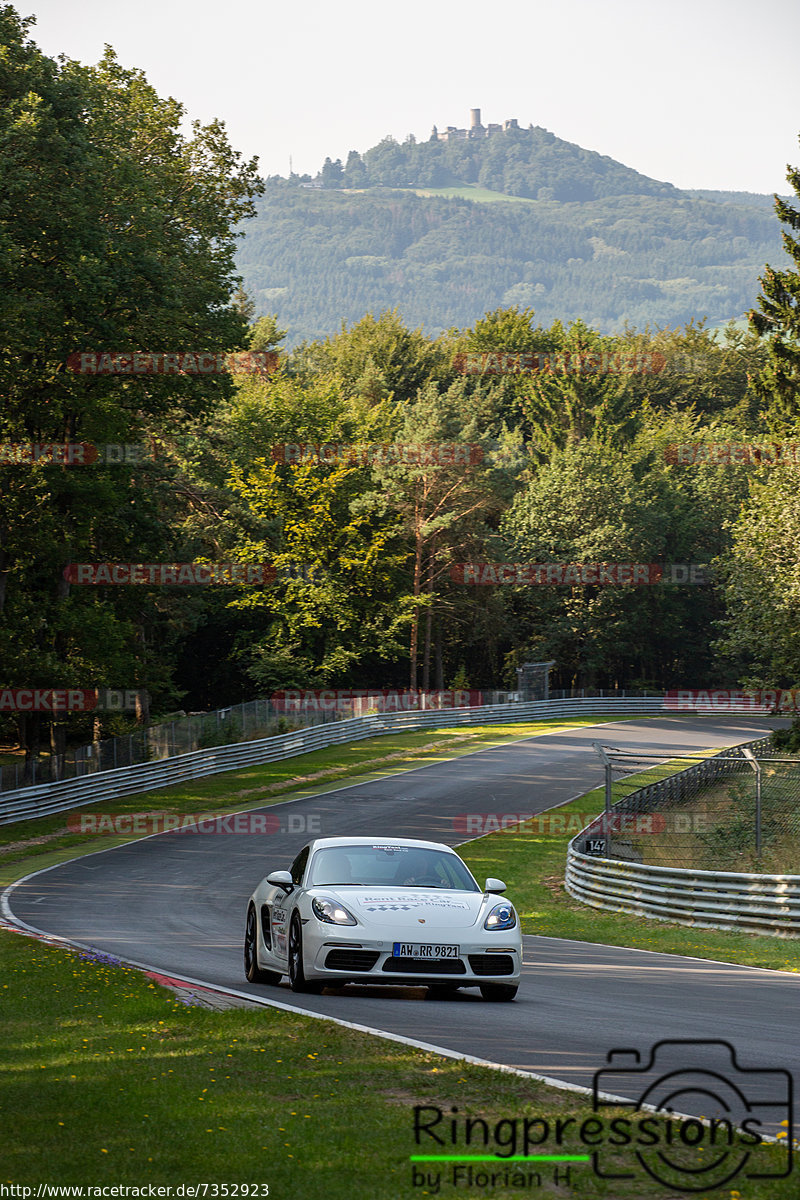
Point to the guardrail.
(43, 799)
(247, 722)
(708, 899)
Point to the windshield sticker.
(372, 902)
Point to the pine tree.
(779, 322)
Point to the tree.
(378, 359)
(779, 322)
(355, 173)
(265, 335)
(597, 502)
(244, 304)
(117, 234)
(441, 507)
(761, 630)
(573, 396)
(332, 173)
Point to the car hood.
(392, 906)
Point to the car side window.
(298, 867)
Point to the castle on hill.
(476, 130)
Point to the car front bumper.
(343, 955)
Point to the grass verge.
(109, 1080)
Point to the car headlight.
(331, 911)
(502, 916)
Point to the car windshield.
(388, 865)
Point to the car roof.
(420, 843)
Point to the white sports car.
(398, 910)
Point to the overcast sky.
(700, 93)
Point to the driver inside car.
(417, 870)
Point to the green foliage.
(381, 359)
(779, 322)
(116, 234)
(519, 162)
(761, 630)
(318, 258)
(265, 334)
(787, 740)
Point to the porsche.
(392, 911)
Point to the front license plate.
(423, 950)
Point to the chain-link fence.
(736, 811)
(193, 731)
(240, 723)
(222, 727)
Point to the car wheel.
(499, 991)
(251, 968)
(297, 976)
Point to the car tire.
(297, 977)
(251, 968)
(499, 991)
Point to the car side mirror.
(494, 886)
(281, 879)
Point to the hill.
(521, 218)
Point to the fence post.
(751, 758)
(606, 761)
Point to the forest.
(119, 235)
(566, 231)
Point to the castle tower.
(475, 118)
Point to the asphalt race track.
(176, 902)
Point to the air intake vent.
(424, 966)
(491, 964)
(351, 960)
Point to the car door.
(283, 906)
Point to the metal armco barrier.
(47, 798)
(767, 904)
(711, 899)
